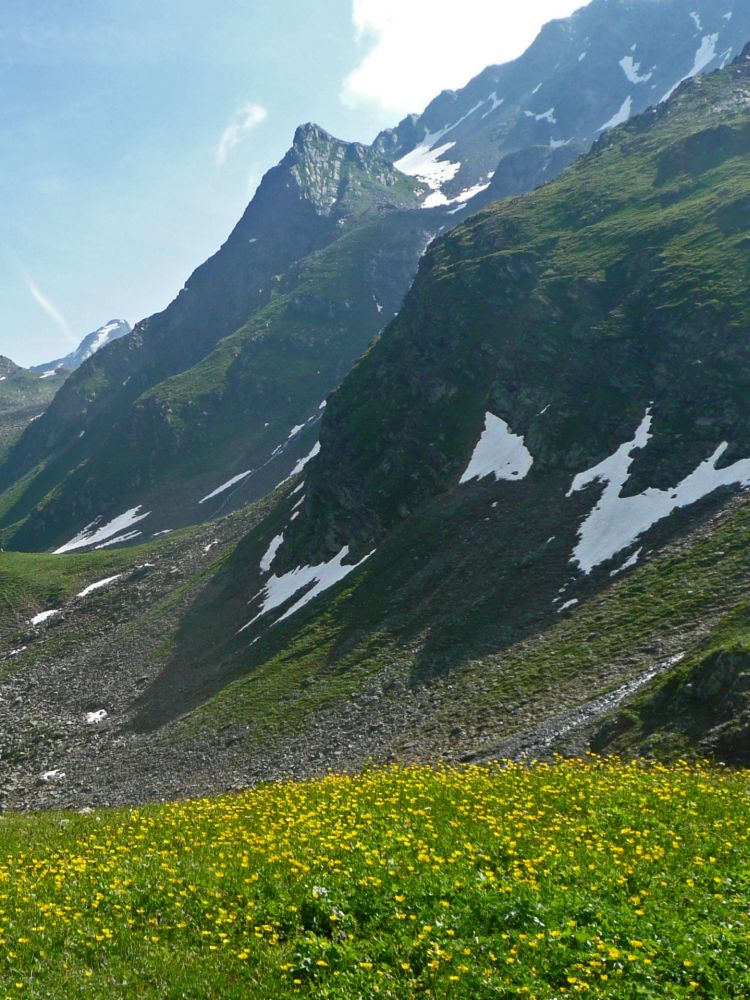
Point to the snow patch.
(43, 616)
(545, 116)
(92, 534)
(270, 553)
(303, 461)
(93, 718)
(705, 54)
(48, 374)
(567, 605)
(628, 563)
(279, 589)
(56, 774)
(496, 102)
(438, 199)
(630, 69)
(619, 117)
(616, 522)
(127, 537)
(498, 452)
(424, 163)
(696, 19)
(98, 585)
(228, 484)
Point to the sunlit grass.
(581, 877)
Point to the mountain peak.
(310, 133)
(333, 174)
(91, 343)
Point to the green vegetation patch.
(584, 877)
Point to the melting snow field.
(279, 589)
(499, 452)
(270, 554)
(619, 117)
(43, 616)
(227, 485)
(98, 585)
(424, 163)
(91, 534)
(630, 68)
(616, 521)
(706, 53)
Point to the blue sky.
(133, 132)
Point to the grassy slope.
(455, 593)
(594, 294)
(612, 881)
(23, 395)
(334, 650)
(700, 708)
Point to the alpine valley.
(441, 457)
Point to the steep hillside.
(214, 401)
(175, 411)
(518, 125)
(24, 395)
(701, 707)
(472, 567)
(460, 471)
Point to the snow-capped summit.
(90, 344)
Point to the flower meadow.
(583, 877)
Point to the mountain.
(216, 400)
(227, 384)
(471, 567)
(463, 491)
(90, 344)
(24, 395)
(518, 125)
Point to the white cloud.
(51, 310)
(245, 119)
(413, 49)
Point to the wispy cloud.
(245, 119)
(48, 307)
